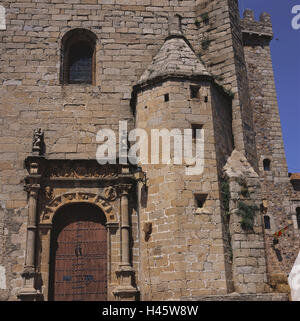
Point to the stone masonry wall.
(184, 255)
(276, 189)
(129, 33)
(220, 46)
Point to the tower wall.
(185, 253)
(276, 189)
(221, 48)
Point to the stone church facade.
(74, 229)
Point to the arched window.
(2, 18)
(78, 57)
(267, 164)
(298, 217)
(267, 222)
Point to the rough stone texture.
(191, 251)
(248, 252)
(185, 254)
(224, 58)
(174, 58)
(240, 297)
(2, 18)
(277, 192)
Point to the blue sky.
(285, 49)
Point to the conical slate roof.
(175, 58)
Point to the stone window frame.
(272, 228)
(294, 206)
(268, 175)
(267, 164)
(69, 39)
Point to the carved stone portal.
(52, 184)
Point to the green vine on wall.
(225, 197)
(225, 192)
(229, 93)
(205, 43)
(247, 212)
(205, 18)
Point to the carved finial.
(249, 14)
(38, 141)
(265, 18)
(175, 25)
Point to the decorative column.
(125, 227)
(28, 292)
(126, 289)
(33, 164)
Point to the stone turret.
(185, 254)
(253, 29)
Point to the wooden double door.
(79, 255)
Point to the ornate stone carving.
(32, 189)
(69, 196)
(81, 170)
(125, 189)
(49, 193)
(110, 193)
(57, 202)
(34, 169)
(38, 141)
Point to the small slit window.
(166, 97)
(267, 164)
(200, 200)
(267, 222)
(194, 91)
(298, 217)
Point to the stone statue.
(38, 141)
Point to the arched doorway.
(78, 259)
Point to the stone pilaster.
(125, 274)
(28, 292)
(29, 274)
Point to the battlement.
(256, 30)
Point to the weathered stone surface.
(175, 58)
(240, 297)
(190, 251)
